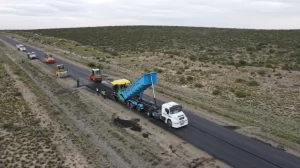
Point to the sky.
(253, 14)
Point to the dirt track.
(89, 121)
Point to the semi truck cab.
(173, 115)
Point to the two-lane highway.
(235, 149)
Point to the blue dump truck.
(131, 94)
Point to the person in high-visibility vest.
(97, 91)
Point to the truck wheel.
(148, 113)
(169, 122)
(139, 108)
(129, 105)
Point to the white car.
(21, 47)
(31, 55)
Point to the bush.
(193, 58)
(277, 74)
(240, 80)
(240, 94)
(250, 49)
(189, 78)
(179, 72)
(261, 72)
(271, 51)
(286, 67)
(216, 92)
(199, 85)
(158, 70)
(91, 64)
(252, 83)
(100, 66)
(242, 63)
(182, 80)
(18, 94)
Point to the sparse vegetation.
(216, 92)
(252, 83)
(91, 64)
(22, 136)
(240, 94)
(116, 40)
(199, 85)
(189, 78)
(159, 70)
(262, 72)
(239, 80)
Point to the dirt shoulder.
(93, 126)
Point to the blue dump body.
(138, 87)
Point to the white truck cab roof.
(169, 104)
(95, 69)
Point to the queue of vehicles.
(130, 94)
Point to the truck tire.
(149, 114)
(169, 122)
(138, 108)
(129, 105)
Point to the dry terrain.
(96, 132)
(260, 101)
(28, 135)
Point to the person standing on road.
(97, 91)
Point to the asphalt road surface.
(224, 144)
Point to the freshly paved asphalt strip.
(226, 145)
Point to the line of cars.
(30, 55)
(60, 69)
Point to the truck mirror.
(167, 110)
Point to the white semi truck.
(132, 95)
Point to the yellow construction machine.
(61, 71)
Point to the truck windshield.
(175, 109)
(97, 73)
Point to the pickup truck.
(21, 47)
(31, 55)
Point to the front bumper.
(182, 123)
(62, 75)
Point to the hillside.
(239, 47)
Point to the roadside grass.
(24, 139)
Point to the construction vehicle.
(111, 88)
(49, 59)
(31, 55)
(21, 47)
(132, 95)
(61, 71)
(95, 75)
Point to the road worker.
(97, 91)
